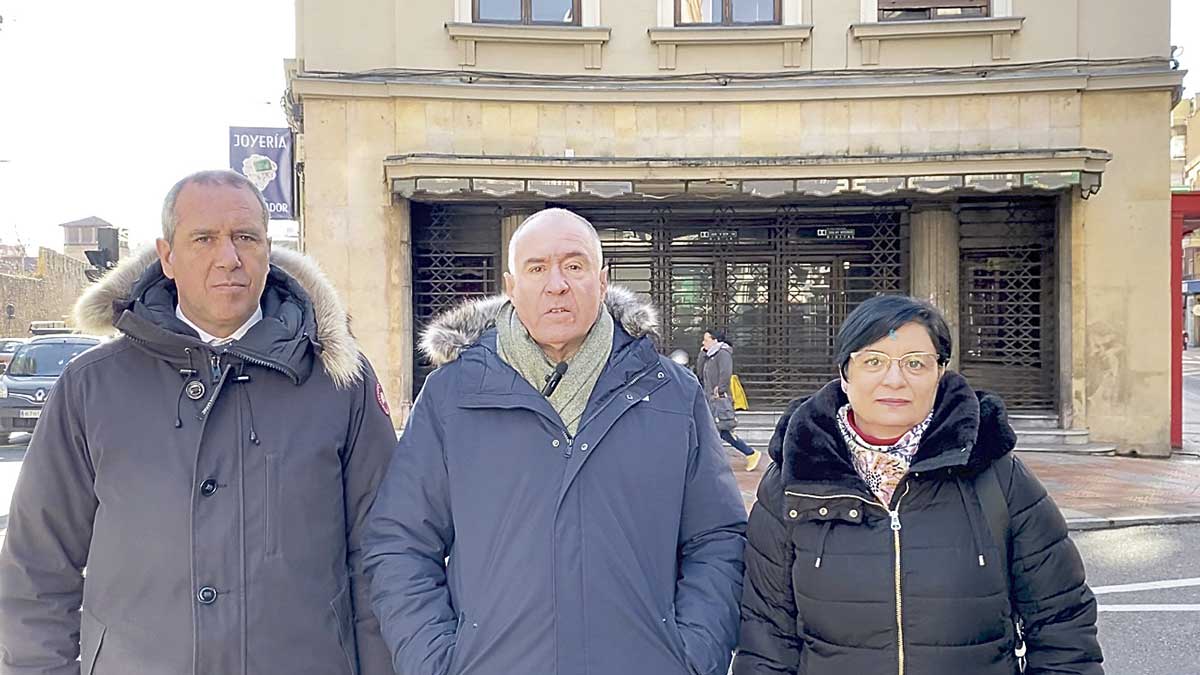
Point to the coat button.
(584, 447)
(194, 390)
(555, 443)
(823, 511)
(853, 513)
(661, 375)
(629, 397)
(793, 513)
(206, 595)
(208, 487)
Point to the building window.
(727, 12)
(923, 10)
(551, 12)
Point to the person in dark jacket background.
(870, 550)
(559, 502)
(212, 467)
(715, 368)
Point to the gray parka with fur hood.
(216, 495)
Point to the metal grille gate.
(778, 280)
(456, 257)
(1007, 301)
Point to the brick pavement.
(1092, 491)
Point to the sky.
(104, 105)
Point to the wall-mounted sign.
(837, 233)
(264, 155)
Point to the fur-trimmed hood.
(968, 432)
(461, 327)
(104, 306)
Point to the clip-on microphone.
(554, 378)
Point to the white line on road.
(1149, 608)
(1147, 586)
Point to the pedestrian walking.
(715, 367)
(896, 532)
(559, 502)
(211, 467)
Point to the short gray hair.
(226, 177)
(512, 243)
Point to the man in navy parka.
(550, 519)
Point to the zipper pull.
(895, 520)
(216, 367)
(570, 445)
(1021, 649)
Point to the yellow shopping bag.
(739, 394)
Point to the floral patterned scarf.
(881, 466)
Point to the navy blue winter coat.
(499, 544)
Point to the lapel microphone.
(554, 378)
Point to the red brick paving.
(1085, 486)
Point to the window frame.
(727, 17)
(930, 6)
(527, 16)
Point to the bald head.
(556, 280)
(548, 221)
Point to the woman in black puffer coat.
(876, 545)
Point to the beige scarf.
(517, 348)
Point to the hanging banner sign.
(264, 155)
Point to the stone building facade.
(764, 173)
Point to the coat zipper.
(570, 440)
(894, 514)
(629, 384)
(253, 360)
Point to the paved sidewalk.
(1094, 492)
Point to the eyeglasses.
(912, 365)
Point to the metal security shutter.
(1008, 338)
(778, 279)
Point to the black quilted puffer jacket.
(839, 584)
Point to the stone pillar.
(935, 258)
(398, 243)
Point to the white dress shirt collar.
(211, 339)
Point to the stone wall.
(47, 295)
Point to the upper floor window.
(921, 10)
(727, 12)
(554, 12)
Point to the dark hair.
(718, 335)
(874, 319)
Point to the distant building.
(80, 236)
(13, 260)
(1185, 145)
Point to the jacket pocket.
(271, 498)
(676, 639)
(343, 616)
(91, 636)
(462, 641)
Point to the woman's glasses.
(912, 365)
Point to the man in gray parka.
(211, 467)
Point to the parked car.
(34, 369)
(8, 347)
